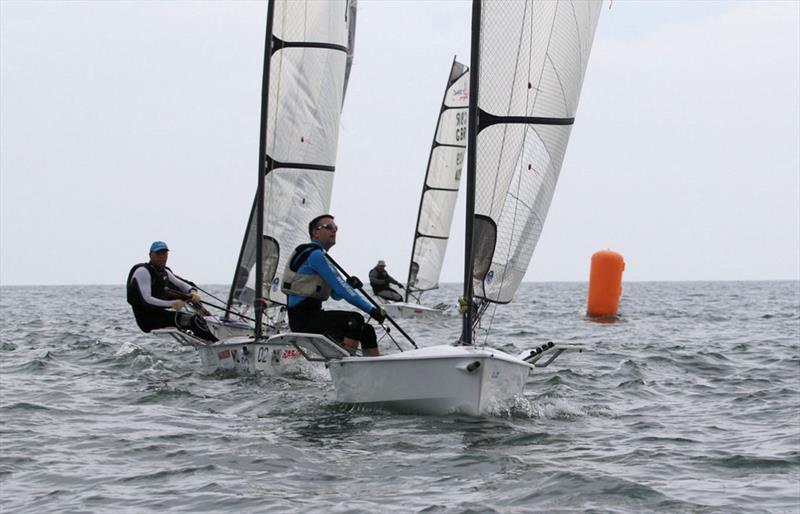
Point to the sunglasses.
(329, 226)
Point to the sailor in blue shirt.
(309, 279)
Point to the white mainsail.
(527, 65)
(312, 49)
(532, 59)
(440, 189)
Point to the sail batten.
(527, 95)
(441, 185)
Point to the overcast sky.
(121, 123)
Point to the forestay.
(440, 189)
(312, 45)
(532, 59)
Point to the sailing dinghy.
(438, 200)
(307, 58)
(527, 67)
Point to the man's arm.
(142, 279)
(180, 285)
(319, 263)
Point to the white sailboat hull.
(437, 380)
(410, 310)
(223, 329)
(249, 358)
(242, 355)
(290, 353)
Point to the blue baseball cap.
(157, 246)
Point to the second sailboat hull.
(410, 310)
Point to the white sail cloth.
(442, 179)
(533, 57)
(312, 47)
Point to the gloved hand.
(378, 314)
(462, 306)
(178, 304)
(194, 297)
(354, 282)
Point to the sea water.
(689, 402)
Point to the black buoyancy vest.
(159, 282)
(301, 255)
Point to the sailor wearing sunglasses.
(309, 279)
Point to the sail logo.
(275, 283)
(490, 277)
(461, 93)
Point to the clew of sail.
(532, 60)
(440, 189)
(312, 49)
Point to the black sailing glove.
(378, 314)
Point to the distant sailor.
(381, 283)
(157, 296)
(309, 279)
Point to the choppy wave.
(688, 402)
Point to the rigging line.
(491, 322)
(480, 311)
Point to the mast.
(262, 167)
(472, 129)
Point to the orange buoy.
(605, 284)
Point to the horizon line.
(121, 284)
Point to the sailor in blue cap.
(158, 296)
